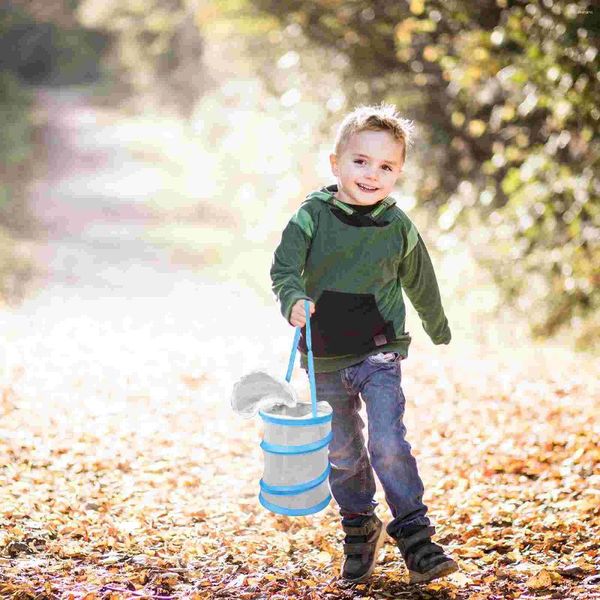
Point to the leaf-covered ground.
(124, 473)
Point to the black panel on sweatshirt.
(359, 219)
(356, 220)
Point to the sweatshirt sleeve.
(289, 260)
(418, 280)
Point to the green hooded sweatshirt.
(353, 265)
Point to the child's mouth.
(366, 188)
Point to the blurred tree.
(52, 51)
(42, 43)
(59, 12)
(507, 94)
(15, 103)
(158, 48)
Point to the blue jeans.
(378, 381)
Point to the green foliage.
(506, 92)
(34, 52)
(15, 106)
(15, 152)
(44, 52)
(157, 48)
(16, 268)
(14, 121)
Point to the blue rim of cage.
(302, 449)
(291, 490)
(275, 420)
(294, 512)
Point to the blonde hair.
(382, 117)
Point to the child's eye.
(387, 167)
(359, 161)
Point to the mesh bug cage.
(296, 438)
(295, 444)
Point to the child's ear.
(333, 163)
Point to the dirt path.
(125, 475)
(104, 287)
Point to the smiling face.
(367, 167)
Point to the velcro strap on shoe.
(358, 548)
(425, 550)
(405, 544)
(362, 530)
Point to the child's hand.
(298, 314)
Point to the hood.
(326, 194)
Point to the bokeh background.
(151, 152)
(231, 106)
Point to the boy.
(350, 251)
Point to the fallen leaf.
(323, 557)
(460, 579)
(540, 581)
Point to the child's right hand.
(298, 314)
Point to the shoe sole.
(368, 573)
(440, 570)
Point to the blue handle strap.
(288, 375)
(311, 367)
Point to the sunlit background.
(218, 118)
(151, 153)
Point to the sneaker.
(364, 538)
(424, 559)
